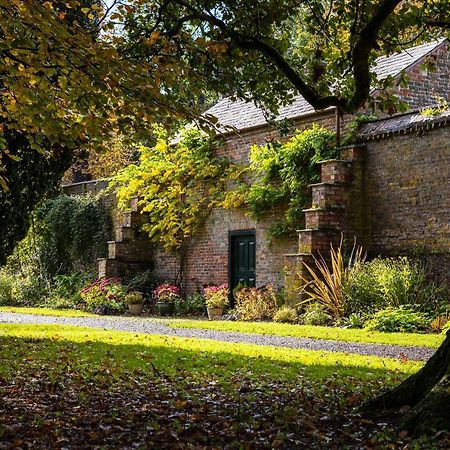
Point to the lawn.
(316, 332)
(65, 386)
(272, 328)
(47, 311)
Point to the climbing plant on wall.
(281, 173)
(178, 185)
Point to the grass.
(47, 311)
(94, 350)
(80, 387)
(271, 328)
(316, 332)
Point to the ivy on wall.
(281, 172)
(178, 184)
(67, 233)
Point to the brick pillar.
(337, 209)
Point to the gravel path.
(151, 326)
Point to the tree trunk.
(427, 392)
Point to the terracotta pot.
(214, 313)
(166, 308)
(135, 309)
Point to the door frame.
(232, 234)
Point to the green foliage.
(327, 280)
(6, 289)
(354, 320)
(74, 233)
(194, 305)
(281, 172)
(178, 185)
(66, 236)
(256, 303)
(390, 282)
(30, 176)
(286, 314)
(64, 292)
(315, 314)
(105, 296)
(143, 282)
(402, 319)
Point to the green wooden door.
(243, 259)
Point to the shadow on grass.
(57, 348)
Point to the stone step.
(124, 233)
(133, 219)
(110, 267)
(134, 251)
(352, 152)
(134, 204)
(318, 240)
(295, 276)
(336, 171)
(326, 195)
(317, 218)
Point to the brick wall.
(408, 195)
(424, 86)
(206, 261)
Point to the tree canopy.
(74, 72)
(270, 50)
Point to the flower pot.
(166, 308)
(214, 313)
(135, 309)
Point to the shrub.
(6, 289)
(143, 282)
(361, 292)
(402, 319)
(326, 286)
(439, 323)
(216, 296)
(75, 231)
(354, 320)
(67, 234)
(194, 305)
(166, 292)
(30, 290)
(389, 282)
(446, 328)
(256, 303)
(105, 296)
(315, 314)
(286, 314)
(69, 286)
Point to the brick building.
(392, 191)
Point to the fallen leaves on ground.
(150, 412)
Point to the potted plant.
(135, 302)
(216, 298)
(165, 295)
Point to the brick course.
(408, 192)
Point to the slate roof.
(243, 115)
(405, 123)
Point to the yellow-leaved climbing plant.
(177, 185)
